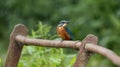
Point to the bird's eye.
(63, 22)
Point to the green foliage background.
(44, 56)
(98, 17)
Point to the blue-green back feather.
(69, 32)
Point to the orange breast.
(62, 33)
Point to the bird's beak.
(67, 22)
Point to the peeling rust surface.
(83, 54)
(14, 49)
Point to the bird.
(63, 31)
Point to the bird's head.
(63, 23)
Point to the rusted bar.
(47, 43)
(18, 39)
(70, 44)
(14, 49)
(84, 55)
(104, 52)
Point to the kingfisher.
(63, 31)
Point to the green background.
(98, 17)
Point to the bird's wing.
(69, 32)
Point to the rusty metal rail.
(89, 45)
